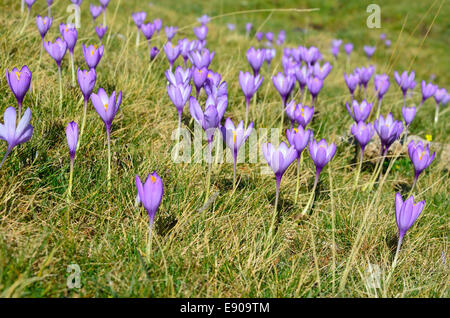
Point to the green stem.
(274, 216)
(208, 177)
(108, 135)
(311, 198)
(69, 189)
(149, 242)
(4, 157)
(26, 21)
(379, 108)
(234, 173)
(359, 168)
(299, 160)
(60, 89)
(83, 122)
(436, 114)
(394, 264)
(73, 70)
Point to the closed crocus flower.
(259, 35)
(408, 114)
(19, 82)
(201, 32)
(362, 133)
(420, 157)
(95, 11)
(180, 77)
(204, 19)
(172, 52)
(213, 85)
(269, 55)
(43, 25)
(171, 31)
(77, 2)
(321, 153)
(158, 24)
(302, 74)
(150, 194)
(139, 18)
(365, 74)
(314, 84)
(311, 55)
(30, 3)
(179, 95)
(86, 80)
(209, 119)
(199, 76)
(348, 48)
(248, 28)
(15, 135)
(299, 113)
(428, 90)
(440, 95)
(352, 81)
(279, 159)
(381, 83)
(406, 213)
(72, 138)
(369, 50)
(153, 53)
(322, 71)
(388, 130)
(201, 58)
(106, 106)
(335, 51)
(70, 36)
(148, 29)
(269, 36)
(405, 82)
(359, 111)
(249, 85)
(256, 59)
(92, 55)
(101, 30)
(56, 50)
(284, 85)
(104, 3)
(299, 138)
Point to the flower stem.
(208, 177)
(413, 185)
(311, 198)
(379, 107)
(137, 38)
(394, 263)
(6, 155)
(69, 189)
(60, 89)
(108, 136)
(359, 168)
(246, 111)
(436, 114)
(275, 213)
(149, 242)
(73, 70)
(299, 161)
(26, 21)
(83, 122)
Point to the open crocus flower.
(179, 95)
(314, 84)
(171, 31)
(92, 55)
(107, 107)
(352, 81)
(299, 113)
(172, 52)
(201, 32)
(101, 30)
(322, 71)
(369, 50)
(15, 135)
(362, 133)
(249, 85)
(180, 77)
(420, 157)
(428, 90)
(284, 85)
(256, 59)
(406, 213)
(43, 25)
(234, 138)
(19, 82)
(359, 111)
(201, 58)
(150, 195)
(95, 11)
(56, 50)
(388, 130)
(405, 82)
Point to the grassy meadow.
(221, 249)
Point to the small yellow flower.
(428, 137)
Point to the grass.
(221, 251)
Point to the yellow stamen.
(106, 106)
(296, 130)
(153, 178)
(423, 153)
(18, 75)
(234, 137)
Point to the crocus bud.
(72, 138)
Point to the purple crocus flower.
(269, 36)
(259, 35)
(348, 48)
(235, 137)
(172, 52)
(365, 74)
(420, 157)
(311, 55)
(299, 113)
(256, 59)
(70, 36)
(19, 82)
(148, 29)
(150, 194)
(179, 95)
(95, 11)
(322, 71)
(406, 213)
(335, 51)
(15, 135)
(201, 58)
(86, 80)
(106, 106)
(405, 82)
(321, 153)
(269, 54)
(284, 85)
(441, 97)
(201, 32)
(72, 139)
(56, 50)
(180, 77)
(388, 130)
(359, 111)
(204, 19)
(302, 74)
(408, 114)
(199, 78)
(281, 37)
(314, 84)
(77, 2)
(139, 18)
(369, 50)
(104, 3)
(299, 138)
(158, 24)
(209, 119)
(231, 26)
(213, 85)
(171, 31)
(248, 28)
(43, 25)
(279, 159)
(336, 42)
(381, 83)
(92, 55)
(352, 81)
(428, 90)
(362, 133)
(249, 85)
(30, 3)
(101, 30)
(153, 53)
(387, 43)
